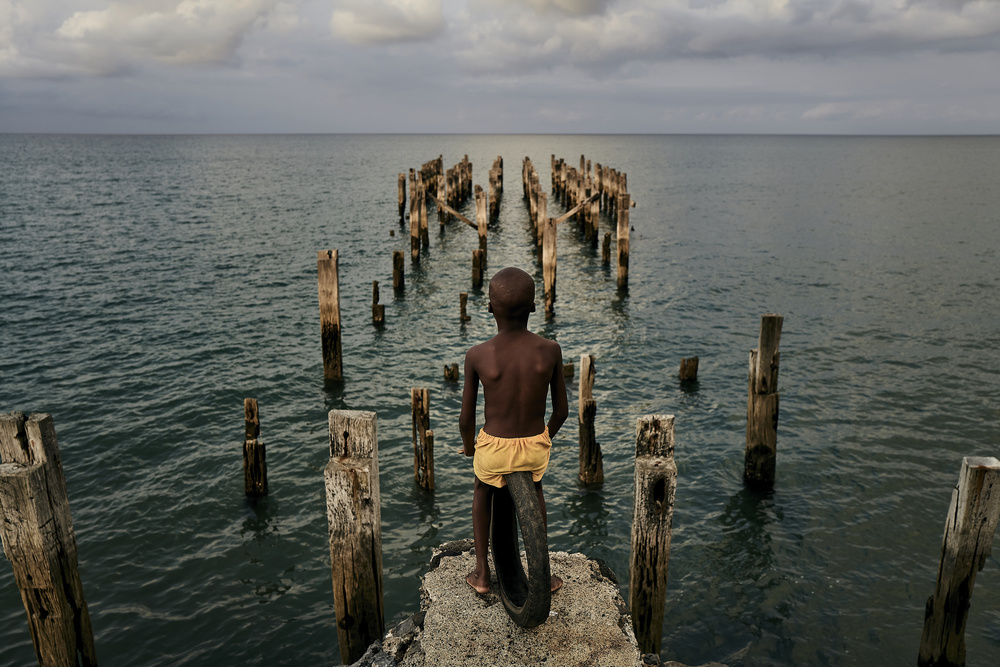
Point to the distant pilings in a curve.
(968, 539)
(39, 541)
(354, 516)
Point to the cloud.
(572, 7)
(663, 30)
(373, 22)
(114, 39)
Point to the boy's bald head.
(512, 293)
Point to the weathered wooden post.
(254, 452)
(689, 369)
(623, 240)
(463, 300)
(762, 404)
(481, 218)
(422, 211)
(38, 540)
(354, 514)
(652, 519)
(402, 198)
(606, 249)
(542, 210)
(591, 458)
(378, 309)
(549, 265)
(478, 268)
(441, 196)
(968, 541)
(414, 221)
(423, 449)
(398, 276)
(451, 373)
(329, 313)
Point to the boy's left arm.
(560, 407)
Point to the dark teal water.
(149, 284)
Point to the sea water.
(150, 283)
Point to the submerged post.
(398, 276)
(423, 448)
(39, 541)
(652, 519)
(478, 266)
(329, 313)
(606, 249)
(762, 404)
(254, 453)
(689, 369)
(463, 300)
(968, 540)
(354, 515)
(591, 458)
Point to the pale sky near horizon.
(501, 66)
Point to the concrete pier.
(588, 623)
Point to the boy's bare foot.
(556, 583)
(479, 584)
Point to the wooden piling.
(451, 372)
(481, 218)
(652, 519)
(402, 198)
(623, 240)
(689, 369)
(542, 211)
(606, 249)
(414, 220)
(549, 259)
(378, 309)
(39, 541)
(422, 211)
(463, 300)
(354, 515)
(968, 540)
(762, 404)
(329, 313)
(591, 458)
(398, 276)
(254, 452)
(423, 449)
(478, 268)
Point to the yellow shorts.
(495, 457)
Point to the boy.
(517, 369)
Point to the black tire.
(527, 598)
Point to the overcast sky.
(484, 66)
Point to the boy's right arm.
(470, 394)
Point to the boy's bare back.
(516, 369)
(519, 370)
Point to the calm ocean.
(150, 283)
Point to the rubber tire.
(527, 598)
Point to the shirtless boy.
(517, 368)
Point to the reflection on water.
(588, 517)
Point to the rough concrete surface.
(587, 625)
